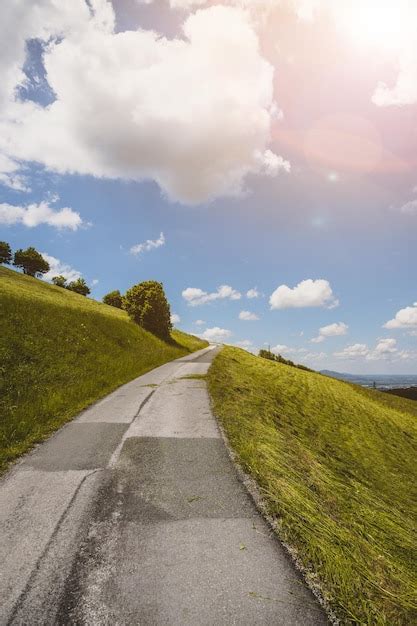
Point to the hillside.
(59, 352)
(336, 466)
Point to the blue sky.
(248, 197)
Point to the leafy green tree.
(114, 298)
(5, 253)
(79, 286)
(59, 281)
(147, 305)
(31, 262)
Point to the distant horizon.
(372, 375)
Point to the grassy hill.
(336, 464)
(59, 352)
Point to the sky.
(257, 157)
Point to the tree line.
(267, 354)
(32, 263)
(145, 303)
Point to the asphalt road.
(133, 514)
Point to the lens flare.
(377, 23)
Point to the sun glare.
(377, 23)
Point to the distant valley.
(382, 381)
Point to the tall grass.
(337, 467)
(59, 352)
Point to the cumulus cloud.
(216, 334)
(148, 245)
(283, 349)
(175, 318)
(253, 293)
(58, 268)
(409, 208)
(199, 322)
(332, 330)
(385, 349)
(193, 113)
(9, 176)
(196, 297)
(247, 344)
(301, 355)
(308, 293)
(404, 91)
(405, 318)
(355, 351)
(248, 316)
(37, 214)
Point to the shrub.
(147, 305)
(31, 262)
(114, 298)
(79, 286)
(59, 281)
(5, 253)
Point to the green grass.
(336, 465)
(60, 352)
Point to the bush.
(59, 281)
(114, 298)
(5, 253)
(79, 286)
(31, 262)
(147, 305)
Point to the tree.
(79, 286)
(5, 253)
(31, 262)
(114, 298)
(59, 281)
(147, 305)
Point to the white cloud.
(95, 282)
(175, 319)
(248, 316)
(148, 245)
(308, 293)
(196, 297)
(385, 349)
(332, 330)
(245, 343)
(216, 334)
(9, 176)
(280, 349)
(405, 318)
(199, 322)
(36, 214)
(355, 351)
(58, 268)
(283, 349)
(404, 92)
(409, 208)
(253, 293)
(272, 164)
(193, 113)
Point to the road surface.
(133, 514)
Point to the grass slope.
(59, 352)
(337, 467)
